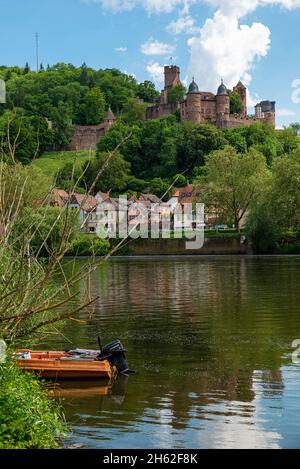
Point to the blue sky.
(207, 38)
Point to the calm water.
(210, 339)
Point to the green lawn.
(51, 163)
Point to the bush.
(28, 418)
(262, 230)
(89, 245)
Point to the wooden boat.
(64, 365)
(80, 389)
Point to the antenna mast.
(37, 52)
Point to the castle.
(200, 106)
(85, 137)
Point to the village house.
(86, 205)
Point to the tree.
(194, 143)
(45, 223)
(134, 111)
(176, 94)
(262, 137)
(26, 68)
(296, 128)
(94, 107)
(114, 173)
(147, 91)
(62, 126)
(286, 189)
(234, 181)
(262, 228)
(23, 137)
(236, 104)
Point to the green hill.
(51, 163)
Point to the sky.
(256, 41)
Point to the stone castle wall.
(86, 137)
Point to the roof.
(86, 202)
(240, 85)
(193, 88)
(109, 116)
(184, 190)
(60, 197)
(149, 198)
(222, 90)
(187, 195)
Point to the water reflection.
(211, 341)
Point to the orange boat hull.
(56, 365)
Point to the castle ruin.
(85, 137)
(200, 106)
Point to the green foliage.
(89, 245)
(162, 148)
(181, 180)
(51, 164)
(295, 128)
(28, 418)
(134, 111)
(286, 189)
(233, 182)
(194, 143)
(147, 92)
(176, 94)
(236, 103)
(262, 229)
(67, 95)
(94, 107)
(22, 186)
(23, 137)
(263, 138)
(44, 227)
(114, 173)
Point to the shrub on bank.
(89, 245)
(28, 418)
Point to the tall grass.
(29, 419)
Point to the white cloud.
(224, 46)
(184, 24)
(285, 112)
(226, 49)
(152, 47)
(156, 71)
(241, 8)
(122, 49)
(296, 92)
(237, 7)
(151, 6)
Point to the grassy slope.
(51, 163)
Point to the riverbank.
(30, 419)
(222, 244)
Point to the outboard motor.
(115, 354)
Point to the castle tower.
(241, 90)
(222, 106)
(266, 112)
(193, 104)
(109, 120)
(172, 77)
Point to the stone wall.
(237, 121)
(213, 246)
(86, 137)
(159, 110)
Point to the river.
(211, 341)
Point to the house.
(86, 205)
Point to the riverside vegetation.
(254, 170)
